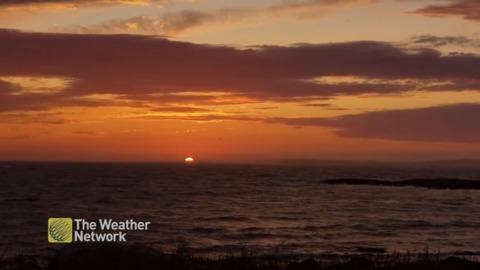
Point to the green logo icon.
(60, 230)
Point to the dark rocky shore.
(426, 183)
(123, 257)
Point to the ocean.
(227, 209)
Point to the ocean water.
(231, 208)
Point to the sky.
(239, 81)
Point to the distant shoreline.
(454, 163)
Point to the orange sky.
(231, 81)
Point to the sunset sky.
(231, 80)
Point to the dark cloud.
(466, 9)
(9, 102)
(179, 109)
(33, 118)
(437, 41)
(140, 70)
(324, 106)
(8, 88)
(38, 102)
(202, 118)
(318, 105)
(452, 123)
(267, 108)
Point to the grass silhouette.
(123, 257)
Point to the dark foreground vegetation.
(427, 183)
(123, 257)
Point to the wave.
(224, 218)
(206, 230)
(438, 183)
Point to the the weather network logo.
(60, 230)
(68, 230)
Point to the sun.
(189, 160)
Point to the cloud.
(8, 88)
(179, 109)
(26, 2)
(452, 123)
(466, 9)
(324, 106)
(36, 4)
(176, 22)
(134, 25)
(318, 105)
(449, 123)
(146, 71)
(89, 133)
(20, 137)
(267, 108)
(202, 118)
(43, 118)
(437, 41)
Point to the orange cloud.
(63, 4)
(173, 23)
(466, 9)
(451, 123)
(43, 118)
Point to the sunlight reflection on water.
(226, 208)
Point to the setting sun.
(189, 159)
